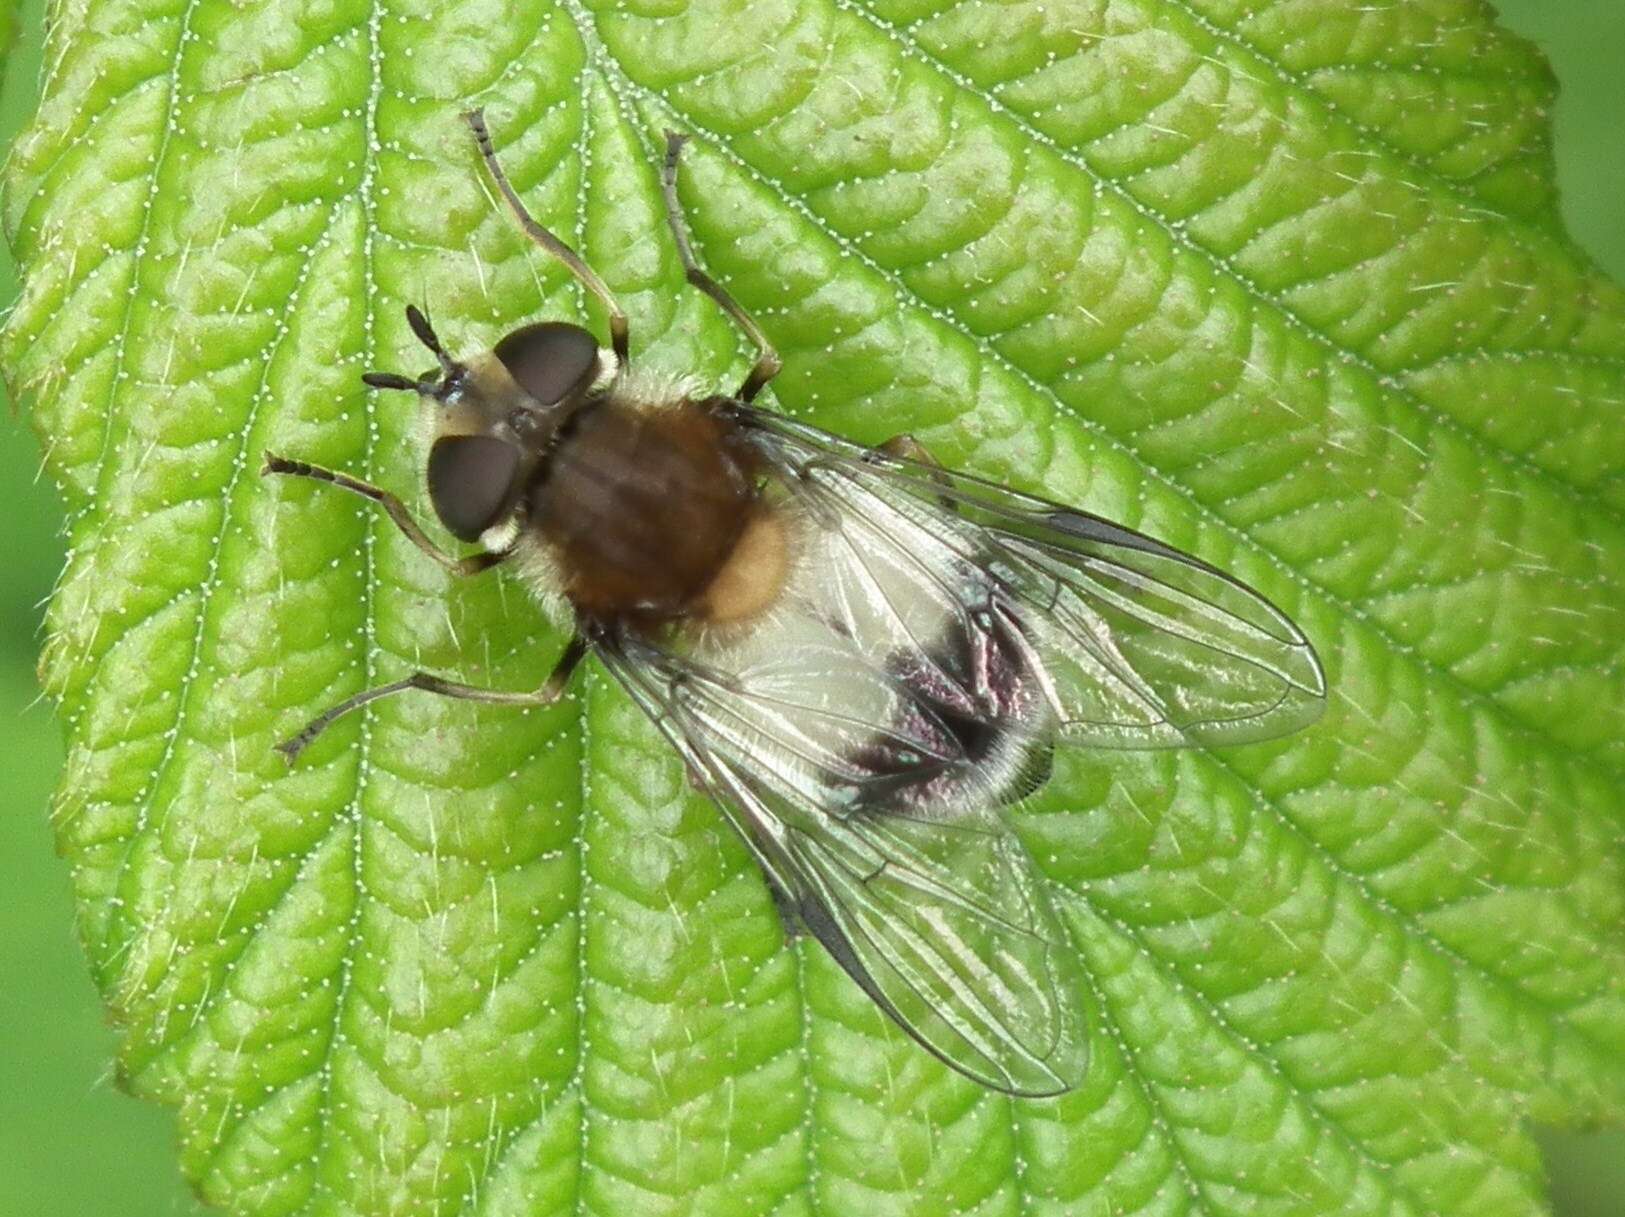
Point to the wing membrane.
(940, 922)
(1143, 646)
(948, 921)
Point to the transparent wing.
(940, 921)
(1140, 645)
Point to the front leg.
(767, 364)
(471, 565)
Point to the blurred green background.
(70, 1145)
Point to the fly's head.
(496, 416)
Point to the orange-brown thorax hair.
(655, 515)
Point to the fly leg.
(767, 359)
(910, 449)
(471, 565)
(584, 274)
(552, 689)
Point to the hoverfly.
(858, 653)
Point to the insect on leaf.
(1281, 285)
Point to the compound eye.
(470, 477)
(550, 360)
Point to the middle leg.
(910, 449)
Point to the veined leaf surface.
(1281, 284)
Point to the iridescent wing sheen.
(940, 921)
(1141, 645)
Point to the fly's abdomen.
(935, 714)
(976, 697)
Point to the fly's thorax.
(643, 505)
(652, 388)
(535, 564)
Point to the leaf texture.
(1281, 284)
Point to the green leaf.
(8, 32)
(1281, 284)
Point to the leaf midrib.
(354, 812)
(589, 687)
(370, 578)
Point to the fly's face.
(497, 416)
